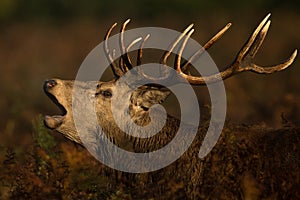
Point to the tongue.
(54, 121)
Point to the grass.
(58, 171)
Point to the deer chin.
(54, 121)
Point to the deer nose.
(50, 84)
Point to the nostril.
(50, 83)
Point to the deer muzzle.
(53, 121)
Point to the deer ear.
(144, 98)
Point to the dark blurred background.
(50, 38)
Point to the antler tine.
(133, 43)
(208, 44)
(140, 56)
(244, 59)
(275, 68)
(121, 61)
(253, 50)
(140, 51)
(130, 45)
(259, 40)
(165, 56)
(124, 55)
(250, 41)
(178, 56)
(217, 36)
(116, 70)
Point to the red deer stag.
(247, 162)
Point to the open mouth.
(54, 121)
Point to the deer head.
(60, 91)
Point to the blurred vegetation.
(41, 39)
(53, 170)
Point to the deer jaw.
(60, 92)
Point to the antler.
(189, 31)
(116, 70)
(243, 61)
(125, 62)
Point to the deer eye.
(144, 108)
(106, 93)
